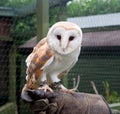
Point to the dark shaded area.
(4, 71)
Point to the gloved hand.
(67, 103)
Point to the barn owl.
(53, 56)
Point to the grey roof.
(90, 39)
(30, 43)
(101, 38)
(112, 19)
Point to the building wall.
(98, 69)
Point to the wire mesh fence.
(99, 60)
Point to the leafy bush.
(111, 97)
(92, 7)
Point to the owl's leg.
(45, 86)
(71, 90)
(58, 85)
(64, 89)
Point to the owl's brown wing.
(36, 61)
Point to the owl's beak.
(63, 49)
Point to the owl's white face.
(64, 39)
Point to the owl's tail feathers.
(30, 84)
(24, 94)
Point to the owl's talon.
(68, 90)
(45, 88)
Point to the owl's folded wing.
(41, 57)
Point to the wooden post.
(12, 74)
(42, 11)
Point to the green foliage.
(111, 97)
(114, 97)
(92, 7)
(54, 15)
(24, 29)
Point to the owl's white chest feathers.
(61, 63)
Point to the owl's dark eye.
(58, 37)
(71, 38)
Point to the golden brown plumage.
(40, 55)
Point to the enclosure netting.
(99, 60)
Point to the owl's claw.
(63, 89)
(45, 88)
(68, 90)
